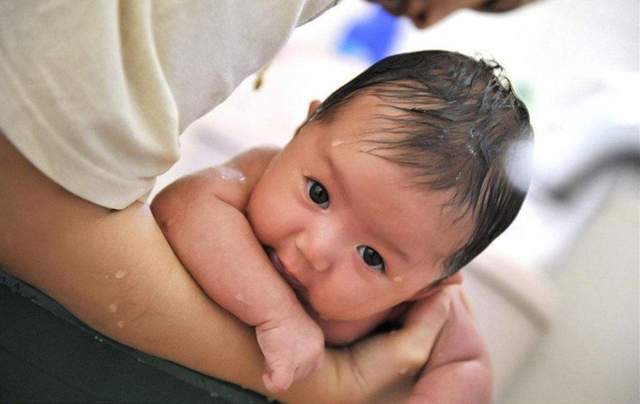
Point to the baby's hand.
(292, 348)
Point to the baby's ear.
(438, 285)
(313, 106)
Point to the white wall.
(590, 355)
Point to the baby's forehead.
(366, 108)
(439, 223)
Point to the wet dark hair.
(454, 120)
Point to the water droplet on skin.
(120, 324)
(230, 174)
(240, 297)
(120, 274)
(471, 150)
(113, 307)
(398, 279)
(404, 371)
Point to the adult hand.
(436, 357)
(384, 368)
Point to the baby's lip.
(298, 288)
(282, 270)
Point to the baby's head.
(394, 182)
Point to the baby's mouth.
(298, 288)
(288, 277)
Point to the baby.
(390, 186)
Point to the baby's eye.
(318, 194)
(371, 258)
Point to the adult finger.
(393, 358)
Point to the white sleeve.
(95, 94)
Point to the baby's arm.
(458, 370)
(202, 217)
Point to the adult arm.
(202, 216)
(90, 258)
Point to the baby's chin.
(320, 313)
(334, 314)
(317, 314)
(327, 314)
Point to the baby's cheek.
(331, 304)
(260, 224)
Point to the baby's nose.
(320, 265)
(313, 252)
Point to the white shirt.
(96, 93)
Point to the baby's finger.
(277, 380)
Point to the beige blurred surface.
(590, 355)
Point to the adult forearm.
(116, 272)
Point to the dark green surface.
(47, 355)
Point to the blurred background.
(564, 325)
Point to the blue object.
(372, 37)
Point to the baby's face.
(347, 229)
